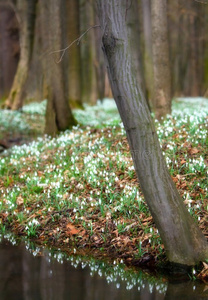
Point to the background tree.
(90, 64)
(183, 241)
(161, 61)
(134, 26)
(26, 17)
(187, 27)
(9, 47)
(33, 90)
(147, 50)
(58, 113)
(72, 60)
(83, 63)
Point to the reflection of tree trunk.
(74, 58)
(88, 53)
(183, 240)
(26, 12)
(58, 114)
(9, 47)
(162, 79)
(30, 275)
(187, 290)
(52, 279)
(11, 269)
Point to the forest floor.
(79, 192)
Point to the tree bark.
(174, 36)
(26, 13)
(148, 61)
(89, 84)
(58, 113)
(194, 46)
(9, 47)
(133, 26)
(160, 46)
(184, 243)
(33, 90)
(74, 57)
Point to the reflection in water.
(24, 276)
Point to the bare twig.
(14, 8)
(77, 40)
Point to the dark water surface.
(25, 275)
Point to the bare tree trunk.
(194, 74)
(9, 47)
(133, 25)
(174, 36)
(148, 60)
(89, 84)
(33, 89)
(183, 241)
(26, 13)
(162, 79)
(205, 57)
(74, 57)
(58, 114)
(100, 64)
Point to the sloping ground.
(80, 188)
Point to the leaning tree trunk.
(161, 63)
(26, 13)
(58, 113)
(183, 241)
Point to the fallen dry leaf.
(71, 229)
(193, 150)
(19, 200)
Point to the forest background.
(32, 27)
(51, 50)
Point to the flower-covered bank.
(80, 190)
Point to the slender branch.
(14, 8)
(77, 40)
